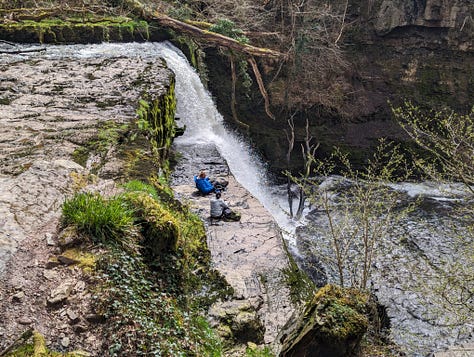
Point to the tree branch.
(210, 37)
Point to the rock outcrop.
(51, 109)
(332, 325)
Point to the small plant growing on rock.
(104, 220)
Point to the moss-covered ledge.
(156, 120)
(56, 30)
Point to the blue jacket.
(204, 185)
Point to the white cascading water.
(204, 124)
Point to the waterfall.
(414, 323)
(205, 125)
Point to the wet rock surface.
(249, 253)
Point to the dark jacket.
(204, 185)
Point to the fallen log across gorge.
(213, 38)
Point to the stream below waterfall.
(420, 323)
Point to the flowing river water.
(419, 319)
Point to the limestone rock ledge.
(50, 108)
(251, 255)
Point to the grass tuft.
(104, 220)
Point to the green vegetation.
(104, 220)
(228, 28)
(57, 30)
(255, 351)
(343, 312)
(38, 348)
(144, 317)
(301, 287)
(148, 285)
(156, 123)
(109, 134)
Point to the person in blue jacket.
(203, 183)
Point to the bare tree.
(448, 138)
(356, 214)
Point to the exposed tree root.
(233, 101)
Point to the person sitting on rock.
(219, 209)
(205, 185)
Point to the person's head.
(202, 174)
(218, 195)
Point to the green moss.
(159, 226)
(5, 101)
(38, 348)
(301, 287)
(86, 259)
(25, 350)
(80, 155)
(54, 30)
(156, 120)
(341, 313)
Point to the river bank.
(250, 253)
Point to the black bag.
(230, 215)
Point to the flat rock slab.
(250, 253)
(463, 350)
(49, 108)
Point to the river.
(420, 321)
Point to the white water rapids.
(204, 125)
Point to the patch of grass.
(104, 220)
(140, 186)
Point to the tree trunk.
(204, 35)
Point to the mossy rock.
(38, 348)
(332, 324)
(159, 226)
(65, 31)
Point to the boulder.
(331, 325)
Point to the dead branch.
(8, 43)
(16, 52)
(261, 86)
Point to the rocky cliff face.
(51, 109)
(396, 50)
